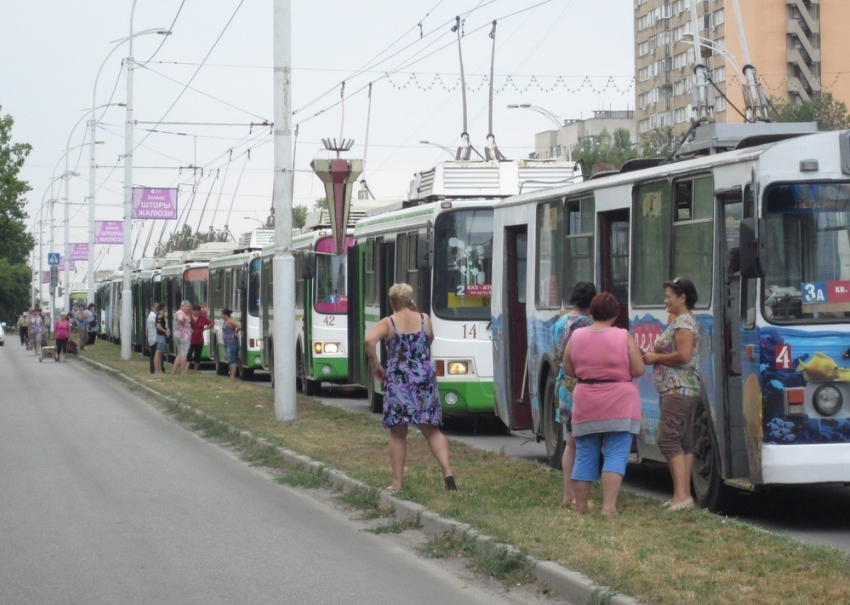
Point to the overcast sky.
(569, 56)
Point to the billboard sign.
(154, 203)
(109, 232)
(45, 277)
(72, 266)
(79, 252)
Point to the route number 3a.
(329, 320)
(783, 357)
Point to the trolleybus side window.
(369, 280)
(299, 280)
(693, 233)
(254, 288)
(405, 262)
(651, 258)
(806, 242)
(748, 289)
(463, 263)
(578, 248)
(550, 231)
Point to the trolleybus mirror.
(423, 254)
(750, 248)
(308, 270)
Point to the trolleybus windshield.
(807, 252)
(330, 291)
(463, 275)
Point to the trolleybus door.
(735, 463)
(614, 246)
(519, 403)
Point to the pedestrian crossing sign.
(53, 258)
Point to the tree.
(824, 109)
(299, 216)
(15, 243)
(659, 143)
(321, 203)
(605, 151)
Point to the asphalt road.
(103, 499)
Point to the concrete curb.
(571, 585)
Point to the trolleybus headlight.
(331, 347)
(326, 370)
(451, 398)
(259, 343)
(317, 347)
(827, 400)
(458, 367)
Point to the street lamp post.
(551, 116)
(126, 326)
(92, 165)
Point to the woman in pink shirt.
(606, 403)
(63, 333)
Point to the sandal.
(393, 490)
(449, 481)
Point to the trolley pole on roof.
(283, 265)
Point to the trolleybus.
(440, 241)
(763, 231)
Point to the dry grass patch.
(650, 553)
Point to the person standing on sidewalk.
(150, 333)
(229, 328)
(24, 327)
(91, 325)
(36, 331)
(200, 322)
(63, 333)
(410, 383)
(82, 329)
(162, 334)
(182, 334)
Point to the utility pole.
(126, 328)
(283, 265)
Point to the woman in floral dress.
(410, 383)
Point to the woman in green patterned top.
(675, 360)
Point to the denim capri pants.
(614, 447)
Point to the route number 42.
(329, 320)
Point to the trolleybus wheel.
(221, 369)
(552, 433)
(308, 387)
(376, 400)
(709, 490)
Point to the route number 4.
(783, 357)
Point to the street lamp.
(251, 218)
(551, 116)
(68, 176)
(92, 166)
(126, 322)
(446, 149)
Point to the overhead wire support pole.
(127, 265)
(283, 265)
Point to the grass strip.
(647, 552)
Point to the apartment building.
(552, 144)
(796, 46)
